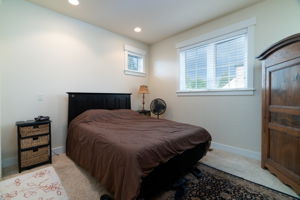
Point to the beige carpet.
(78, 184)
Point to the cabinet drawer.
(34, 141)
(35, 156)
(29, 154)
(34, 130)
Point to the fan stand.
(157, 116)
(143, 102)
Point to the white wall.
(232, 120)
(0, 113)
(43, 55)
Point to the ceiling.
(158, 19)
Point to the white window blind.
(218, 64)
(134, 62)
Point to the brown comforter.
(119, 147)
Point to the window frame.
(233, 30)
(130, 50)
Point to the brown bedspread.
(119, 147)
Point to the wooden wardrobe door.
(283, 120)
(281, 112)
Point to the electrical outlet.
(40, 97)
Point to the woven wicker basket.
(34, 130)
(35, 160)
(34, 141)
(25, 155)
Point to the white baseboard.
(236, 150)
(58, 150)
(14, 160)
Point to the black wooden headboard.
(80, 102)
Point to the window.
(219, 65)
(134, 61)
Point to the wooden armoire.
(281, 110)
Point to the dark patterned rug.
(213, 184)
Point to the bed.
(130, 154)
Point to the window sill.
(216, 92)
(134, 73)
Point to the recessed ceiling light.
(74, 2)
(137, 29)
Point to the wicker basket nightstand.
(34, 144)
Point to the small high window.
(134, 61)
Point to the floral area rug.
(43, 184)
(213, 184)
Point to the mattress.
(120, 147)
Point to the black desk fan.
(158, 107)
